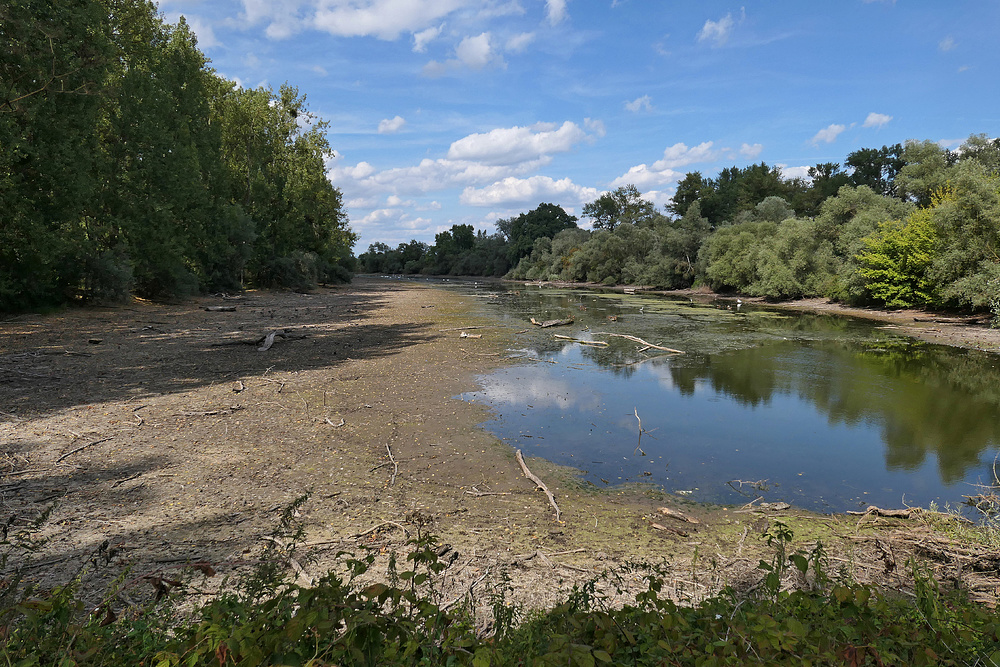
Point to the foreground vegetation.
(913, 225)
(265, 619)
(127, 165)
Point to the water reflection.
(831, 412)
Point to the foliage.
(896, 260)
(339, 620)
(128, 165)
(624, 205)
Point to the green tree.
(624, 205)
(876, 168)
(896, 260)
(520, 232)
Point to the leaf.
(602, 655)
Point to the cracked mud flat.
(163, 436)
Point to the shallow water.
(824, 412)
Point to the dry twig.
(541, 485)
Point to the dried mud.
(162, 436)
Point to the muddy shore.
(163, 435)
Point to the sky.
(445, 112)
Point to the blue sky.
(450, 112)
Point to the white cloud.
(475, 52)
(424, 37)
(595, 126)
(828, 134)
(519, 43)
(517, 144)
(203, 31)
(946, 44)
(789, 173)
(528, 191)
(639, 103)
(878, 120)
(384, 19)
(391, 125)
(717, 32)
(679, 155)
(664, 171)
(555, 11)
(750, 151)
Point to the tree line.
(128, 166)
(910, 224)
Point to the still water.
(827, 413)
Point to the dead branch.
(81, 448)
(892, 514)
(395, 466)
(342, 422)
(578, 341)
(221, 309)
(675, 531)
(550, 323)
(541, 485)
(674, 514)
(636, 339)
(477, 493)
(210, 413)
(384, 523)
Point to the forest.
(128, 166)
(911, 224)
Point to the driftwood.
(591, 343)
(541, 485)
(674, 514)
(636, 339)
(551, 323)
(891, 514)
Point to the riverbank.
(165, 435)
(969, 331)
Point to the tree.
(624, 205)
(876, 167)
(520, 232)
(691, 189)
(896, 260)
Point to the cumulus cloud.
(878, 120)
(555, 11)
(384, 19)
(828, 134)
(750, 151)
(664, 171)
(513, 191)
(424, 37)
(639, 103)
(517, 144)
(475, 52)
(717, 32)
(391, 125)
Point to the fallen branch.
(209, 413)
(384, 523)
(675, 531)
(342, 422)
(221, 309)
(592, 343)
(891, 514)
(674, 514)
(636, 339)
(395, 466)
(80, 449)
(478, 494)
(541, 485)
(550, 323)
